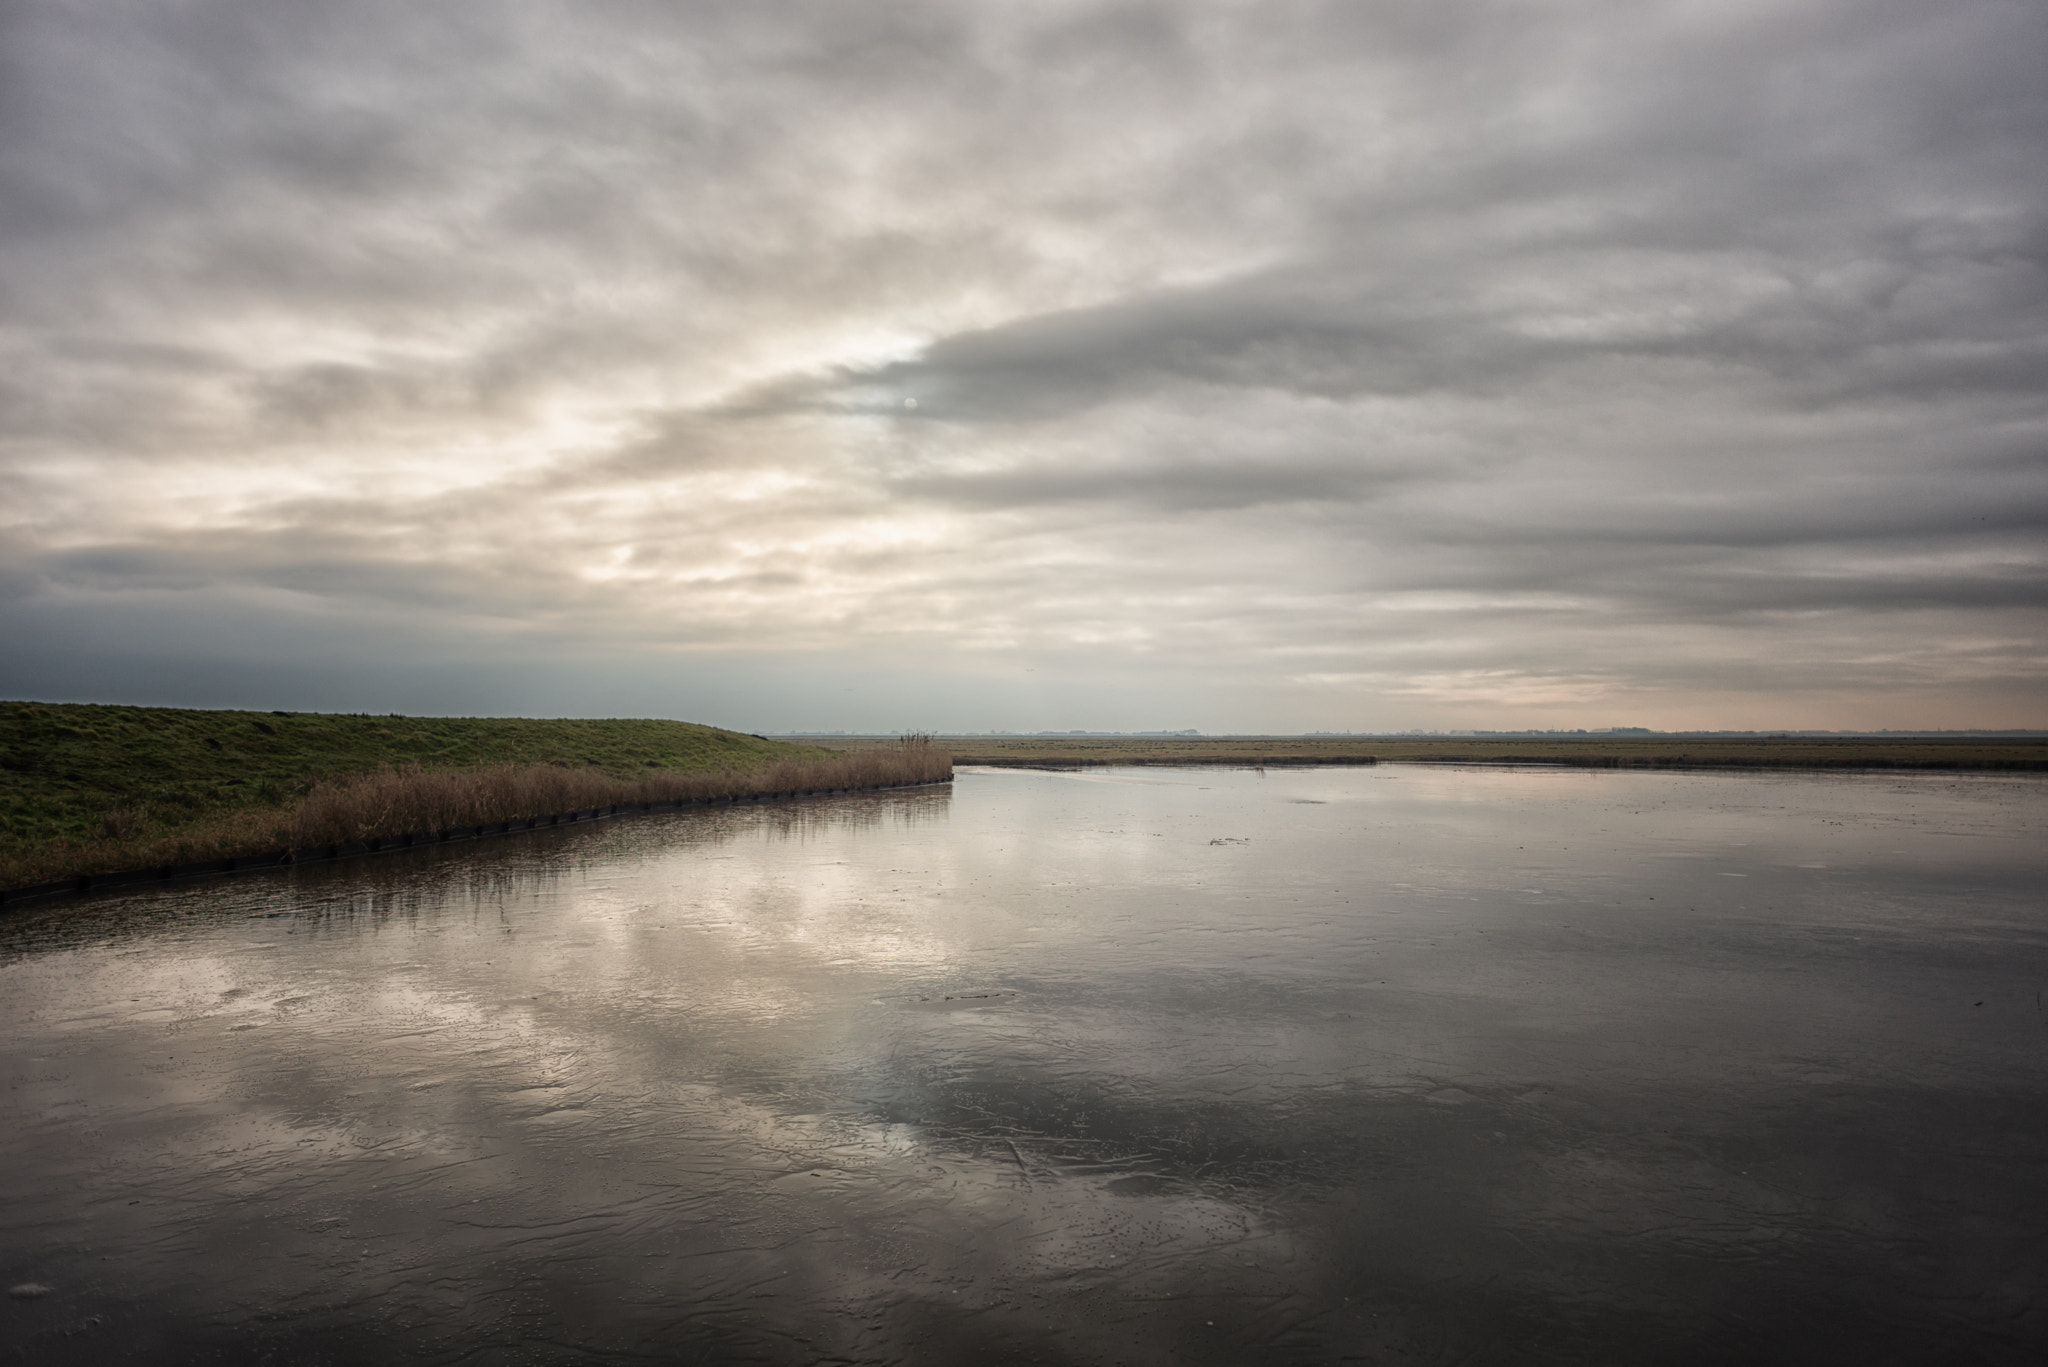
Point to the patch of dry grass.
(391, 802)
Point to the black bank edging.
(390, 844)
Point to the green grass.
(74, 773)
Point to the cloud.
(1309, 365)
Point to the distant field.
(73, 775)
(1798, 752)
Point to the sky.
(1258, 367)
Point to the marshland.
(91, 789)
(1964, 753)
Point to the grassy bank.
(1731, 752)
(87, 789)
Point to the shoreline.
(269, 861)
(123, 791)
(1824, 766)
(1960, 754)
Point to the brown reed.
(384, 803)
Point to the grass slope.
(71, 773)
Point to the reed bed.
(389, 802)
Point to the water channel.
(1398, 1064)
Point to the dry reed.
(386, 803)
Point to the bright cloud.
(1273, 367)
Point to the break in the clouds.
(1265, 366)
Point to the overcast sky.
(1247, 366)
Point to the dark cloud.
(1294, 364)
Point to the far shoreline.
(1957, 754)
